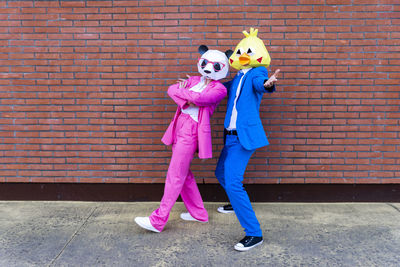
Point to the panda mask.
(213, 64)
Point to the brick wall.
(83, 87)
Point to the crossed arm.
(208, 97)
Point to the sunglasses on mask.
(216, 65)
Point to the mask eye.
(250, 51)
(239, 52)
(217, 67)
(204, 63)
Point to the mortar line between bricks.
(72, 238)
(393, 206)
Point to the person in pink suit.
(190, 131)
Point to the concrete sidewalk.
(104, 234)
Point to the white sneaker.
(226, 209)
(144, 222)
(248, 242)
(187, 217)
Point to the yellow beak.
(244, 59)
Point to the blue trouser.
(230, 169)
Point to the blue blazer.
(248, 125)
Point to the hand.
(272, 79)
(182, 82)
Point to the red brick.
(83, 88)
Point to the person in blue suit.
(244, 132)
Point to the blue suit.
(238, 148)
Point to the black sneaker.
(226, 209)
(248, 242)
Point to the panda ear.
(203, 49)
(228, 53)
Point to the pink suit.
(186, 137)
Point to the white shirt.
(194, 111)
(232, 123)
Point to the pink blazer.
(207, 101)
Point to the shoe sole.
(192, 220)
(248, 248)
(221, 210)
(146, 227)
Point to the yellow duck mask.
(250, 52)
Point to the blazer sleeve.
(260, 77)
(175, 93)
(211, 95)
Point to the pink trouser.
(180, 179)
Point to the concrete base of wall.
(210, 192)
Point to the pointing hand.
(182, 82)
(272, 79)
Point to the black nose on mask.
(207, 71)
